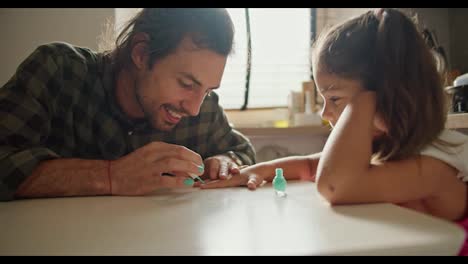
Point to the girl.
(383, 97)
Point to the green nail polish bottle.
(279, 183)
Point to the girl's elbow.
(330, 191)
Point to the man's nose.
(193, 103)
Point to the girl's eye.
(334, 99)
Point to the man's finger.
(224, 169)
(234, 169)
(176, 166)
(214, 169)
(160, 150)
(170, 182)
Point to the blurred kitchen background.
(280, 114)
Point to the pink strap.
(109, 176)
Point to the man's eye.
(185, 85)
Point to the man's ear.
(139, 52)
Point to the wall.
(23, 29)
(123, 15)
(459, 38)
(436, 19)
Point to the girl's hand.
(242, 176)
(369, 97)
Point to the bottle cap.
(279, 172)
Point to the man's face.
(176, 85)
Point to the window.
(280, 39)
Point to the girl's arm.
(294, 168)
(344, 173)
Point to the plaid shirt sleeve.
(24, 120)
(228, 139)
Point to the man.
(76, 123)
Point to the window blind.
(280, 57)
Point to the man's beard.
(148, 115)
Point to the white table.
(232, 221)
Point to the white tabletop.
(232, 221)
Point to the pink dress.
(456, 157)
(464, 248)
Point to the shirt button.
(130, 133)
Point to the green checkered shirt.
(61, 104)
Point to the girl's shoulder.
(452, 148)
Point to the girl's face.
(337, 92)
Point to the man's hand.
(220, 167)
(140, 172)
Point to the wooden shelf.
(288, 131)
(457, 120)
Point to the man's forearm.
(66, 177)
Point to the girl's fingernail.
(201, 168)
